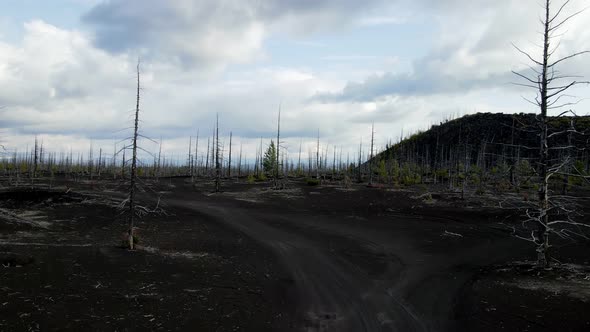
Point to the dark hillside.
(503, 144)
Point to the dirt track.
(330, 259)
(395, 272)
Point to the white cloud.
(79, 91)
(473, 51)
(71, 88)
(212, 34)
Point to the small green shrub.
(125, 240)
(312, 182)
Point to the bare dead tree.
(299, 159)
(114, 161)
(229, 160)
(360, 172)
(276, 170)
(550, 88)
(240, 161)
(159, 163)
(99, 162)
(90, 160)
(371, 154)
(317, 160)
(132, 185)
(217, 161)
(190, 156)
(334, 164)
(36, 161)
(130, 205)
(207, 158)
(196, 160)
(41, 151)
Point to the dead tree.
(133, 179)
(123, 164)
(240, 162)
(334, 164)
(207, 158)
(99, 162)
(159, 163)
(190, 156)
(371, 154)
(317, 160)
(360, 172)
(36, 161)
(217, 161)
(299, 159)
(229, 160)
(550, 89)
(196, 160)
(276, 170)
(90, 160)
(130, 204)
(41, 152)
(114, 161)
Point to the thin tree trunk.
(134, 168)
(229, 162)
(543, 257)
(299, 159)
(190, 158)
(278, 149)
(371, 154)
(196, 159)
(317, 165)
(217, 161)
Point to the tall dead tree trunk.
(158, 165)
(229, 161)
(133, 179)
(278, 150)
(190, 157)
(35, 162)
(299, 159)
(240, 162)
(334, 164)
(543, 248)
(548, 97)
(207, 159)
(114, 162)
(217, 161)
(123, 165)
(41, 151)
(196, 160)
(91, 161)
(99, 162)
(317, 160)
(371, 154)
(360, 171)
(568, 155)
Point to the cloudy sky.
(67, 68)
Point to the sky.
(68, 69)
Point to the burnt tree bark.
(371, 154)
(132, 184)
(229, 162)
(276, 171)
(217, 161)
